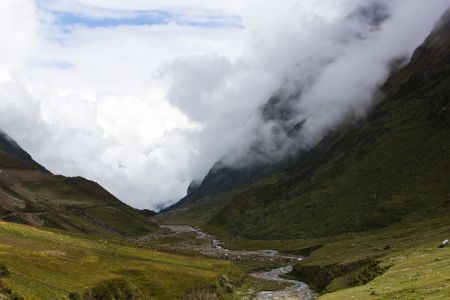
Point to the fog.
(147, 106)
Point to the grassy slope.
(415, 160)
(9, 161)
(94, 260)
(416, 274)
(392, 165)
(11, 148)
(73, 204)
(415, 267)
(397, 164)
(50, 264)
(86, 203)
(375, 195)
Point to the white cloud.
(19, 33)
(143, 110)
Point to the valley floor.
(44, 264)
(266, 268)
(402, 261)
(180, 262)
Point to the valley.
(49, 264)
(357, 212)
(368, 206)
(400, 261)
(205, 244)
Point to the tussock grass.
(47, 264)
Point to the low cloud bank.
(146, 109)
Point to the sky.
(144, 96)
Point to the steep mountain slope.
(30, 194)
(10, 147)
(393, 166)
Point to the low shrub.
(114, 289)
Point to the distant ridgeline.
(390, 167)
(30, 194)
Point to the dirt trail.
(212, 247)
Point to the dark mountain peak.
(12, 148)
(74, 204)
(363, 175)
(431, 60)
(373, 13)
(444, 22)
(195, 184)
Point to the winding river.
(297, 290)
(213, 248)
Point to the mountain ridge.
(358, 177)
(30, 194)
(10, 147)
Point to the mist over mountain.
(335, 81)
(226, 149)
(320, 61)
(30, 194)
(388, 168)
(10, 147)
(329, 88)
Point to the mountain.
(30, 194)
(10, 147)
(390, 168)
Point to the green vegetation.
(390, 168)
(387, 168)
(30, 194)
(86, 207)
(416, 274)
(73, 204)
(9, 161)
(352, 274)
(11, 155)
(397, 261)
(51, 265)
(368, 205)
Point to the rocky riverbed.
(209, 246)
(297, 290)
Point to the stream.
(213, 248)
(298, 290)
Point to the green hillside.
(43, 264)
(368, 205)
(31, 195)
(11, 148)
(83, 242)
(391, 167)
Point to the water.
(296, 291)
